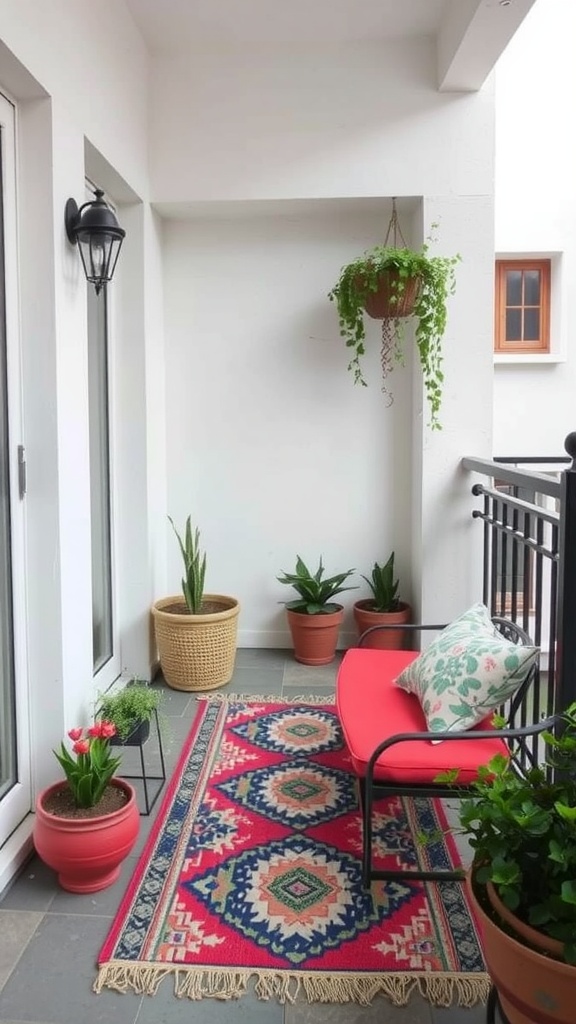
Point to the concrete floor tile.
(248, 657)
(165, 1007)
(98, 904)
(16, 930)
(249, 679)
(52, 981)
(380, 1011)
(459, 1015)
(33, 889)
(304, 676)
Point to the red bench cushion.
(372, 708)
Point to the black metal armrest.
(412, 627)
(467, 734)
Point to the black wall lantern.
(99, 236)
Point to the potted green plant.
(86, 824)
(522, 829)
(195, 633)
(131, 709)
(313, 617)
(390, 284)
(384, 608)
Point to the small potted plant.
(389, 284)
(522, 829)
(384, 608)
(195, 633)
(131, 709)
(87, 824)
(313, 617)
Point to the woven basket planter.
(197, 652)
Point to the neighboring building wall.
(275, 172)
(534, 405)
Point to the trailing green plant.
(360, 278)
(384, 587)
(128, 707)
(316, 593)
(522, 829)
(194, 566)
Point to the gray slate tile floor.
(49, 939)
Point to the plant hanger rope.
(394, 227)
(390, 351)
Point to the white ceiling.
(179, 25)
(470, 34)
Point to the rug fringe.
(268, 698)
(464, 990)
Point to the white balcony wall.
(275, 168)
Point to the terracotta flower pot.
(315, 636)
(385, 639)
(86, 852)
(533, 987)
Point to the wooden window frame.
(542, 345)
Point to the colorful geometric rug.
(252, 871)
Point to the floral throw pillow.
(467, 672)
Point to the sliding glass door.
(15, 794)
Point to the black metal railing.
(529, 525)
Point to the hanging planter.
(392, 282)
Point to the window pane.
(532, 325)
(513, 287)
(99, 478)
(513, 325)
(532, 288)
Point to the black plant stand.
(492, 1006)
(148, 803)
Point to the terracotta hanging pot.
(384, 639)
(533, 987)
(387, 301)
(315, 636)
(86, 851)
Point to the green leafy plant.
(194, 566)
(315, 591)
(90, 766)
(436, 281)
(129, 707)
(522, 828)
(384, 587)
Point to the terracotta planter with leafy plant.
(314, 619)
(523, 879)
(384, 608)
(533, 986)
(315, 637)
(86, 825)
(383, 639)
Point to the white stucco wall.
(536, 214)
(272, 179)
